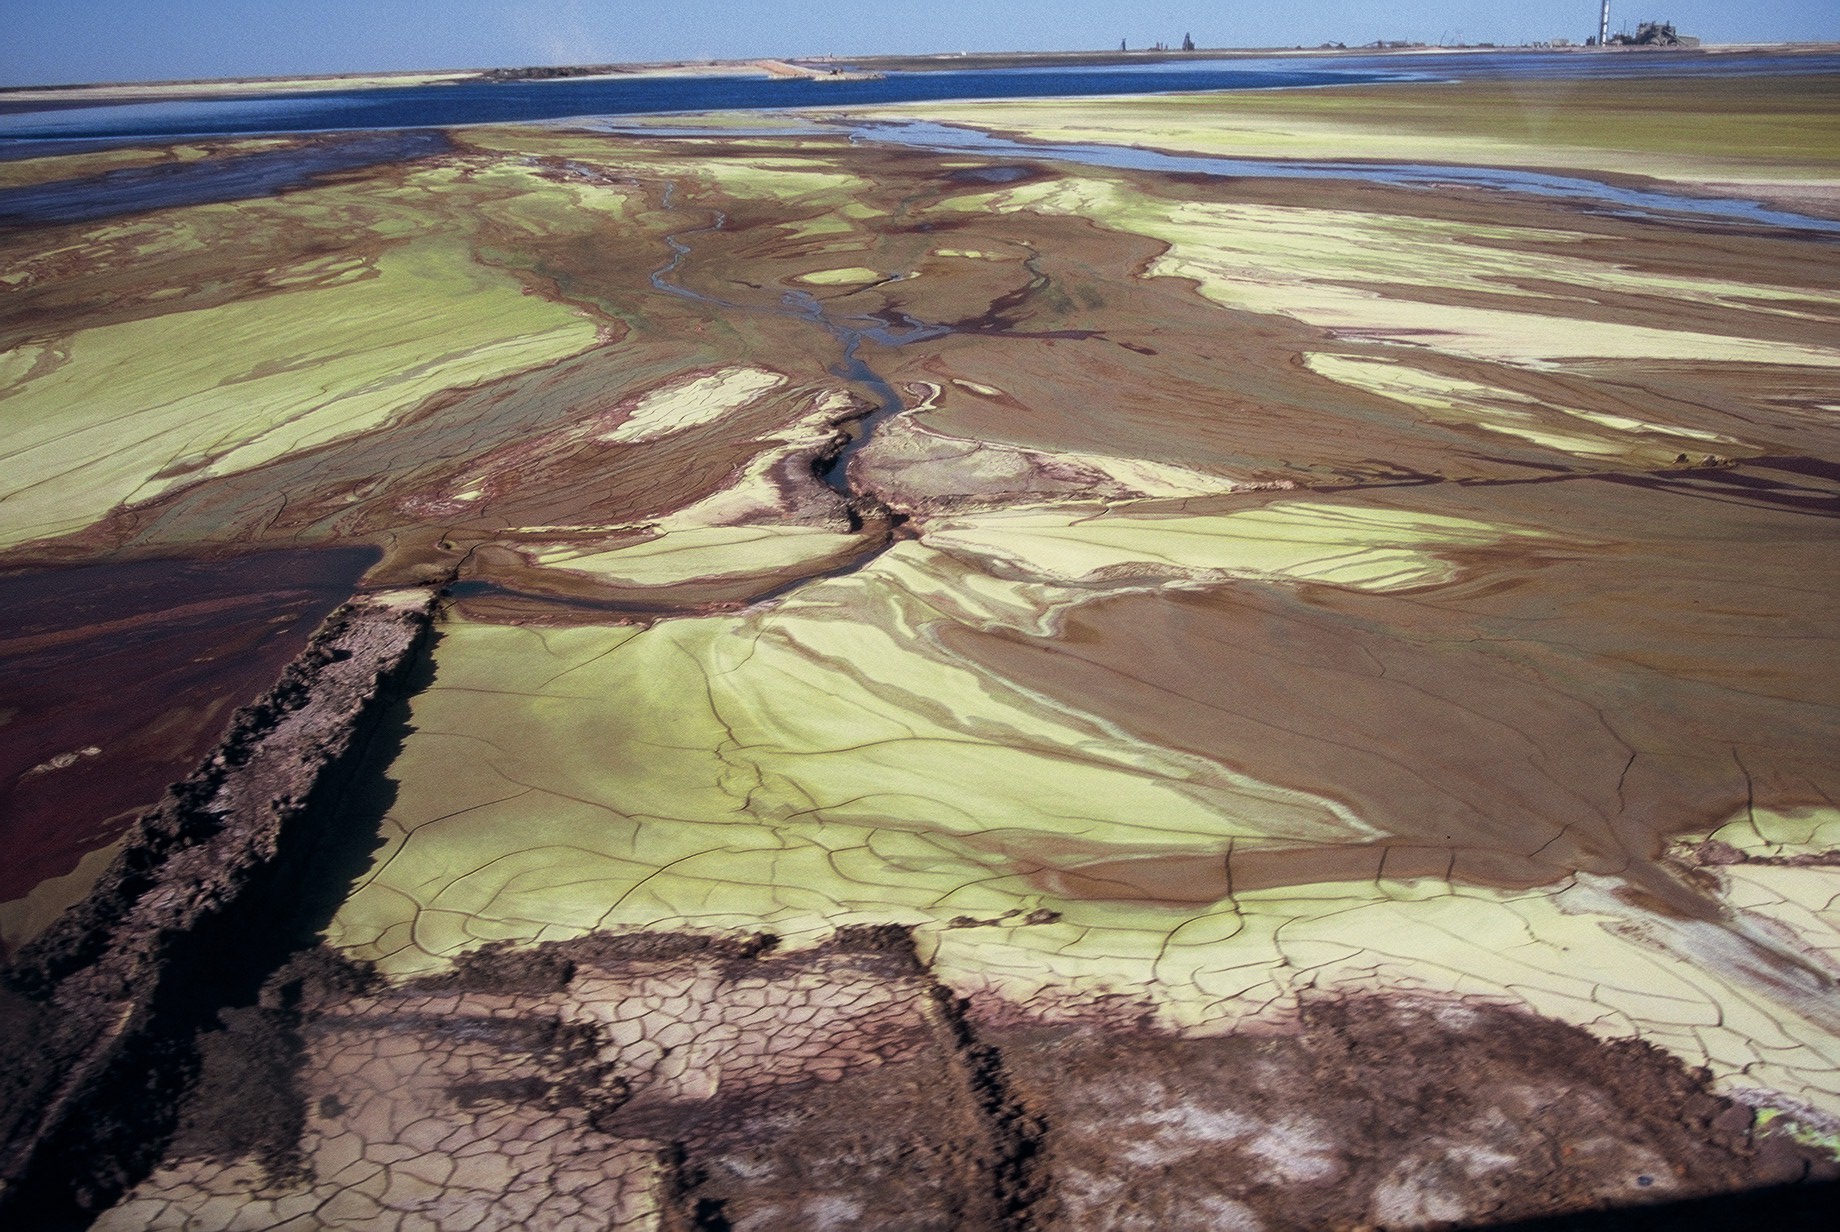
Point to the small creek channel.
(833, 469)
(851, 332)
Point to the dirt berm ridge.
(98, 1015)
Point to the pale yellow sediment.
(828, 223)
(821, 764)
(543, 203)
(854, 275)
(1338, 544)
(769, 175)
(792, 180)
(1150, 478)
(698, 400)
(1741, 1001)
(1592, 434)
(1793, 904)
(1360, 274)
(677, 556)
(1529, 132)
(818, 761)
(756, 494)
(121, 413)
(1806, 831)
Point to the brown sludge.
(122, 677)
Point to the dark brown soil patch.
(1377, 1114)
(884, 1148)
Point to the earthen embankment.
(106, 1003)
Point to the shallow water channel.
(1644, 203)
(850, 331)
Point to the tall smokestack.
(1603, 24)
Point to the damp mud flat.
(980, 642)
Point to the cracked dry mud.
(970, 696)
(671, 1080)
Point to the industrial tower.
(1603, 24)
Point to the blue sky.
(137, 40)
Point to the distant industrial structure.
(1655, 34)
(1648, 34)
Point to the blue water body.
(130, 190)
(438, 106)
(432, 106)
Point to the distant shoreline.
(13, 98)
(961, 61)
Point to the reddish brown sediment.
(118, 678)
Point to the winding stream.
(831, 469)
(850, 332)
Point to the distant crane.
(1603, 24)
